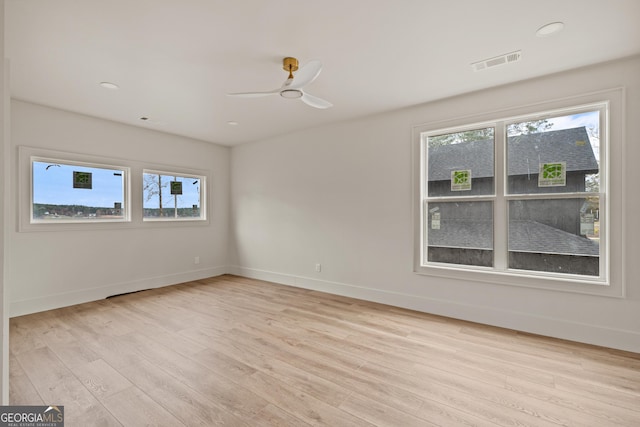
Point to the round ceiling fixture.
(291, 93)
(549, 29)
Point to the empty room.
(329, 213)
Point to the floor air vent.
(507, 58)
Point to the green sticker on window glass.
(552, 174)
(82, 180)
(176, 187)
(461, 180)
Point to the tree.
(514, 129)
(592, 182)
(525, 128)
(460, 137)
(153, 186)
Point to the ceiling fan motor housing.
(290, 64)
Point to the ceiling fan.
(292, 88)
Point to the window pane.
(168, 196)
(555, 235)
(461, 163)
(66, 192)
(554, 155)
(460, 233)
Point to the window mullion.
(500, 211)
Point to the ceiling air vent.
(498, 60)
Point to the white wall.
(57, 268)
(341, 196)
(4, 198)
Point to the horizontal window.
(64, 191)
(60, 191)
(173, 196)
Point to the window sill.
(527, 279)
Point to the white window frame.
(28, 155)
(133, 188)
(611, 279)
(183, 174)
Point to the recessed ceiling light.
(109, 85)
(549, 29)
(232, 123)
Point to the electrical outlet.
(196, 260)
(318, 267)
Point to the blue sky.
(590, 120)
(53, 184)
(190, 193)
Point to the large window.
(172, 196)
(517, 197)
(64, 191)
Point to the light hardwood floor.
(233, 351)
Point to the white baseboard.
(50, 302)
(547, 326)
(525, 322)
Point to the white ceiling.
(175, 60)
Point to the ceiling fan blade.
(306, 74)
(314, 101)
(253, 94)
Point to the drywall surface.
(4, 198)
(49, 269)
(341, 196)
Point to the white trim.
(611, 282)
(179, 174)
(126, 188)
(543, 325)
(133, 192)
(53, 301)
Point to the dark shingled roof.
(524, 236)
(525, 153)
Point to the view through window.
(168, 196)
(75, 192)
(544, 196)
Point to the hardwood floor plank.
(300, 404)
(101, 379)
(272, 416)
(380, 414)
(21, 390)
(135, 408)
(26, 333)
(56, 385)
(303, 380)
(233, 351)
(613, 397)
(537, 412)
(575, 406)
(185, 403)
